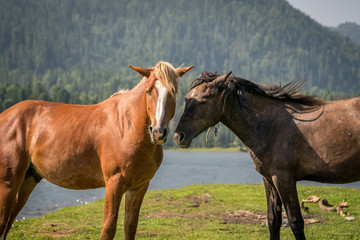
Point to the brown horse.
(289, 136)
(116, 144)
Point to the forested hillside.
(351, 30)
(257, 39)
(78, 51)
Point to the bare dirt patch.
(233, 217)
(242, 217)
(191, 201)
(236, 217)
(198, 200)
(57, 230)
(247, 217)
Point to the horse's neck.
(132, 109)
(233, 118)
(248, 124)
(136, 103)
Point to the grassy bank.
(199, 212)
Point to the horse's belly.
(71, 173)
(331, 178)
(78, 182)
(345, 171)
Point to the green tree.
(58, 94)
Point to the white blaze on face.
(160, 106)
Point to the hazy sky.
(330, 13)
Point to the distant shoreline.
(214, 149)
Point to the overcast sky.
(330, 13)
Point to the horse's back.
(20, 121)
(342, 115)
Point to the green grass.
(197, 212)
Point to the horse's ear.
(220, 81)
(145, 72)
(182, 70)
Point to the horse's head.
(160, 86)
(204, 105)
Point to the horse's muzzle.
(179, 138)
(158, 135)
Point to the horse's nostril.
(181, 136)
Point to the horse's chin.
(184, 144)
(158, 142)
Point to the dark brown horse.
(116, 144)
(289, 136)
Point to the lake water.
(178, 169)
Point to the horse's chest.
(256, 161)
(143, 167)
(140, 170)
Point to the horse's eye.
(203, 101)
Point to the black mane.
(288, 92)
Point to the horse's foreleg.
(287, 190)
(274, 204)
(133, 201)
(113, 194)
(25, 190)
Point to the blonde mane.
(120, 91)
(168, 76)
